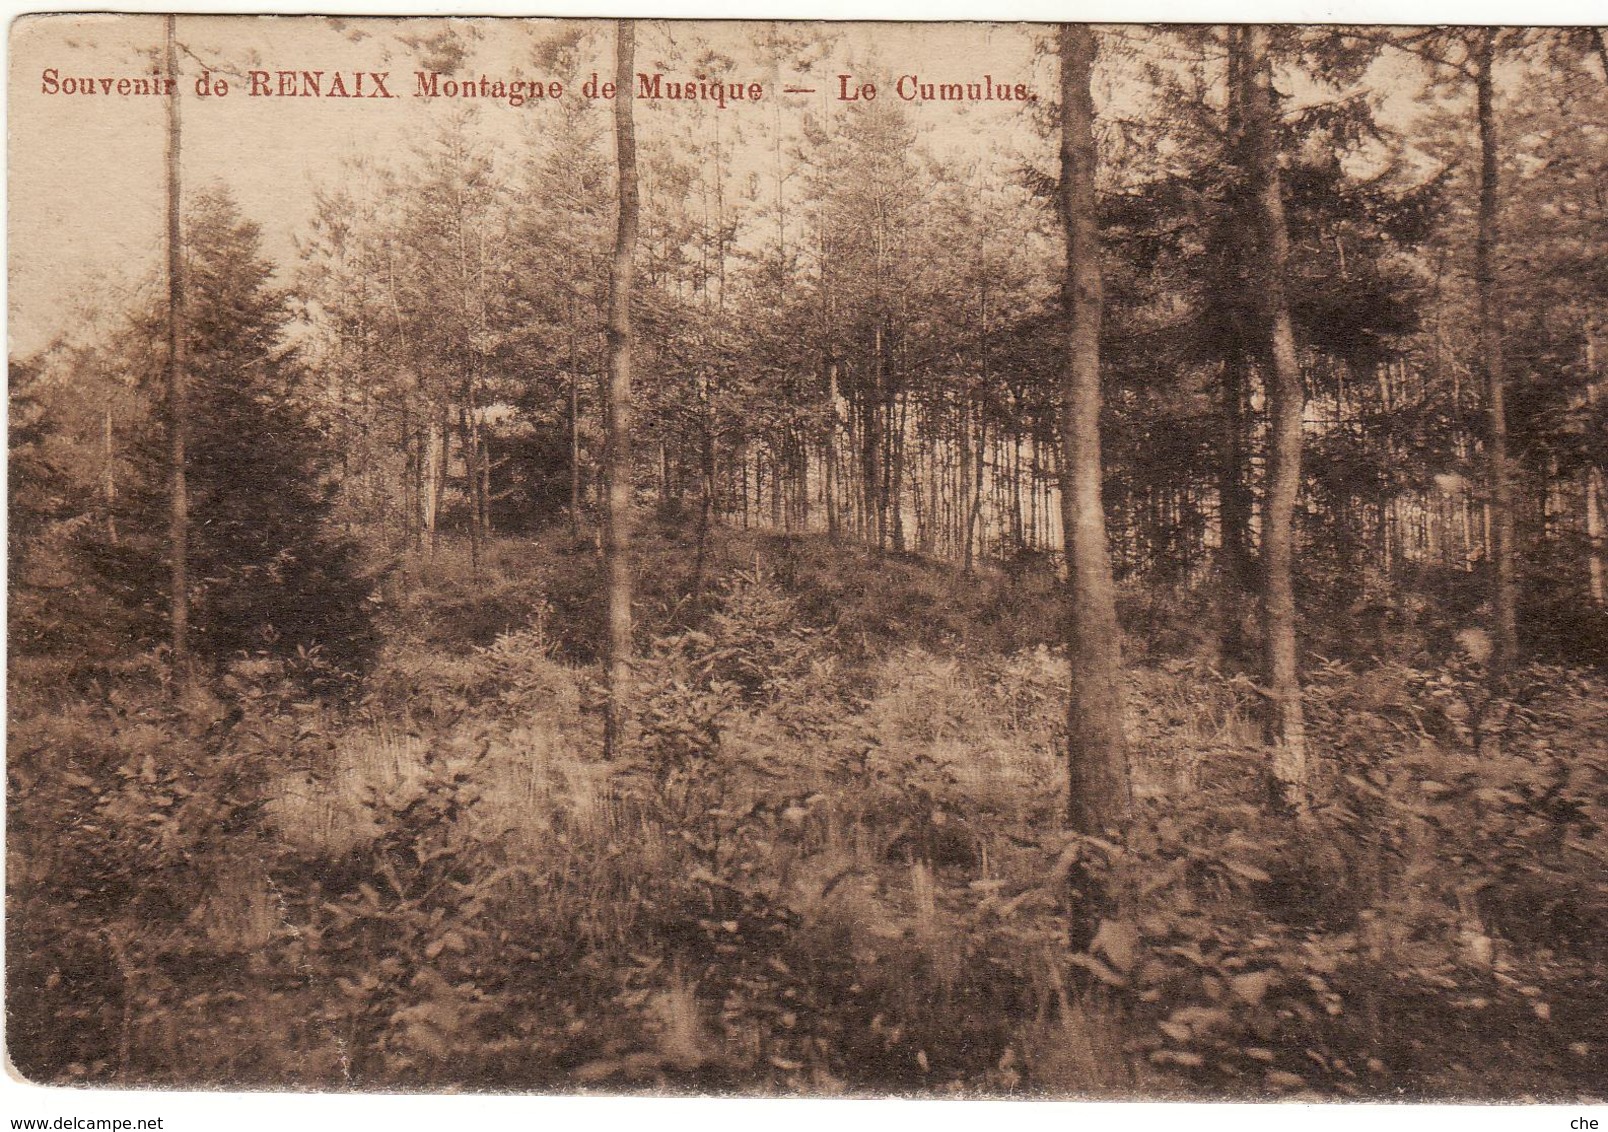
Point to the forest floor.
(830, 861)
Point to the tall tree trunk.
(877, 428)
(423, 476)
(574, 440)
(1099, 793)
(893, 490)
(1032, 491)
(798, 479)
(934, 483)
(774, 459)
(178, 410)
(742, 462)
(484, 443)
(468, 449)
(1504, 593)
(866, 496)
(439, 432)
(1285, 724)
(617, 404)
(410, 481)
(802, 458)
(975, 544)
(1018, 529)
(1234, 494)
(109, 476)
(1596, 572)
(706, 483)
(963, 445)
(833, 520)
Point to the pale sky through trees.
(86, 171)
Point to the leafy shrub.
(402, 923)
(138, 818)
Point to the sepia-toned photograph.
(807, 559)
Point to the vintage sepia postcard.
(802, 559)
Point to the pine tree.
(264, 573)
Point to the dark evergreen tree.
(266, 573)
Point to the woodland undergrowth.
(831, 860)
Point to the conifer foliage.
(266, 574)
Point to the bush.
(143, 823)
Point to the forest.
(1095, 593)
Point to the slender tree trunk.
(468, 449)
(876, 454)
(1018, 528)
(1234, 502)
(1234, 495)
(484, 441)
(178, 410)
(963, 445)
(109, 476)
(439, 432)
(1286, 728)
(1504, 593)
(410, 479)
(617, 404)
(428, 478)
(1099, 794)
(1596, 570)
(706, 484)
(412, 446)
(775, 461)
(934, 477)
(975, 536)
(894, 481)
(803, 457)
(742, 462)
(574, 428)
(833, 519)
(1033, 492)
(1595, 536)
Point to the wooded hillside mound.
(830, 859)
